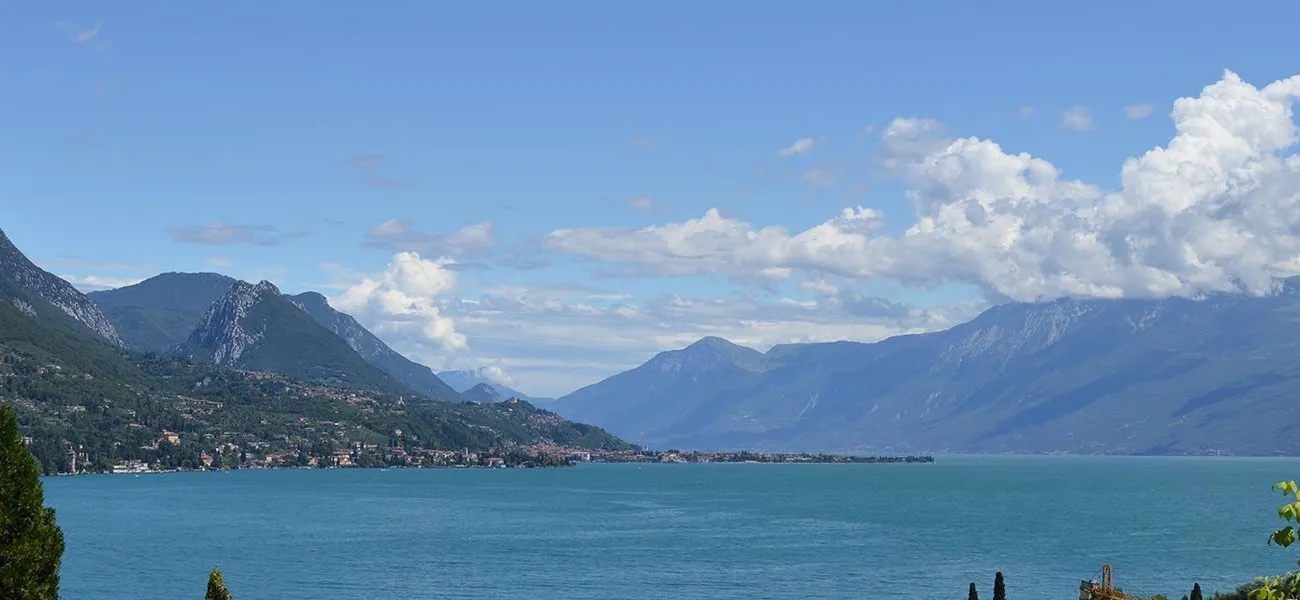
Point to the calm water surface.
(681, 532)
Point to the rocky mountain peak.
(265, 287)
(54, 290)
(221, 333)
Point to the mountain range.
(159, 313)
(255, 367)
(202, 315)
(1173, 376)
(254, 326)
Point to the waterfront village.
(524, 457)
(360, 455)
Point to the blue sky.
(272, 141)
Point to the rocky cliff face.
(222, 337)
(159, 313)
(53, 290)
(343, 325)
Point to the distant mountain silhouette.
(1083, 376)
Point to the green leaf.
(1283, 537)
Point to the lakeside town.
(529, 458)
(361, 455)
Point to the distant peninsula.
(742, 456)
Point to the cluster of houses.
(352, 457)
(57, 371)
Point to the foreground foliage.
(1287, 585)
(31, 543)
(216, 587)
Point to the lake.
(681, 532)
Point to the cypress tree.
(974, 594)
(31, 544)
(216, 587)
(999, 588)
(1196, 591)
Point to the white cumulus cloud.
(401, 305)
(1217, 208)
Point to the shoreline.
(639, 459)
(658, 458)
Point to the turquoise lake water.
(682, 532)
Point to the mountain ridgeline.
(207, 316)
(33, 290)
(1174, 376)
(159, 313)
(255, 327)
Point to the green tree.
(31, 544)
(1196, 591)
(216, 587)
(999, 588)
(974, 594)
